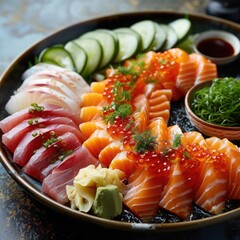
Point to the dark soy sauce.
(215, 47)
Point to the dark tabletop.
(24, 22)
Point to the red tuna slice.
(55, 184)
(35, 139)
(12, 138)
(29, 113)
(45, 156)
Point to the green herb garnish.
(122, 111)
(36, 107)
(177, 140)
(144, 141)
(219, 103)
(50, 141)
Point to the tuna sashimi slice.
(49, 110)
(33, 140)
(12, 138)
(45, 156)
(55, 184)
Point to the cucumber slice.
(171, 38)
(146, 29)
(160, 37)
(58, 55)
(93, 50)
(79, 56)
(108, 43)
(181, 27)
(129, 43)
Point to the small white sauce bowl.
(226, 36)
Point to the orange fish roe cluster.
(157, 163)
(163, 67)
(121, 128)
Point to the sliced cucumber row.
(97, 49)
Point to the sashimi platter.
(93, 124)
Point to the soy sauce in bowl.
(218, 46)
(215, 47)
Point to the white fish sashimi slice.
(71, 83)
(69, 76)
(24, 99)
(52, 84)
(39, 67)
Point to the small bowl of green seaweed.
(213, 107)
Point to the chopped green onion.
(219, 103)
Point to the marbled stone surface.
(22, 23)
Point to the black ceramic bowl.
(11, 79)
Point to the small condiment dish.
(208, 129)
(220, 47)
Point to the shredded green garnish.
(65, 154)
(33, 121)
(177, 140)
(122, 111)
(144, 141)
(36, 107)
(50, 141)
(219, 103)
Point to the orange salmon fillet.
(97, 142)
(90, 113)
(122, 162)
(206, 70)
(159, 129)
(108, 153)
(88, 128)
(144, 193)
(177, 196)
(91, 99)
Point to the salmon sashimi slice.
(177, 195)
(173, 132)
(109, 152)
(233, 165)
(211, 190)
(206, 70)
(98, 87)
(91, 99)
(158, 93)
(90, 113)
(141, 115)
(144, 193)
(176, 92)
(88, 128)
(192, 137)
(159, 129)
(187, 70)
(186, 76)
(122, 162)
(159, 104)
(97, 142)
